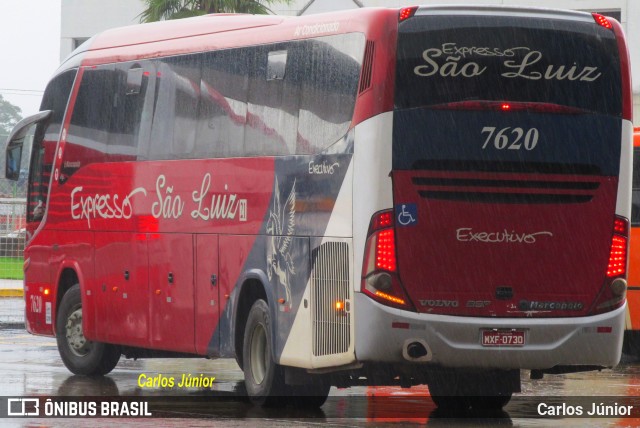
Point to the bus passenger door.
(122, 284)
(171, 287)
(207, 299)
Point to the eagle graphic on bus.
(281, 225)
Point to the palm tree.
(158, 10)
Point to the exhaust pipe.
(416, 350)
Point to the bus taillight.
(618, 252)
(406, 13)
(615, 288)
(386, 250)
(602, 20)
(379, 271)
(617, 257)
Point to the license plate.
(503, 338)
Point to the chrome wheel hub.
(75, 338)
(259, 354)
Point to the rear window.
(449, 59)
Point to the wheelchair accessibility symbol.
(407, 214)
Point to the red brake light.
(617, 257)
(620, 226)
(508, 106)
(602, 21)
(618, 252)
(406, 13)
(382, 220)
(386, 250)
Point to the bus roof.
(180, 28)
(221, 31)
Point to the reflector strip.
(403, 325)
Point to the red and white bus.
(432, 195)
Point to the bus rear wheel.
(476, 391)
(263, 378)
(79, 355)
(472, 403)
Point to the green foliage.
(11, 268)
(9, 116)
(158, 10)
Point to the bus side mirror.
(14, 159)
(15, 142)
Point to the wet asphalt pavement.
(30, 367)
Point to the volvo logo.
(440, 303)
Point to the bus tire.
(81, 356)
(452, 403)
(263, 378)
(309, 396)
(473, 391)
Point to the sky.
(29, 50)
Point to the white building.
(82, 19)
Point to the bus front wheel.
(81, 356)
(264, 379)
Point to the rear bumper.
(382, 333)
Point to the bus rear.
(505, 245)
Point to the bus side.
(187, 187)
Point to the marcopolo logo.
(526, 305)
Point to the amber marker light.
(390, 298)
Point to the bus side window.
(176, 108)
(130, 118)
(272, 119)
(55, 98)
(223, 103)
(89, 127)
(330, 71)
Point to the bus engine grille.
(330, 299)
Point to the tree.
(9, 116)
(158, 10)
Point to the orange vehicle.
(632, 335)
